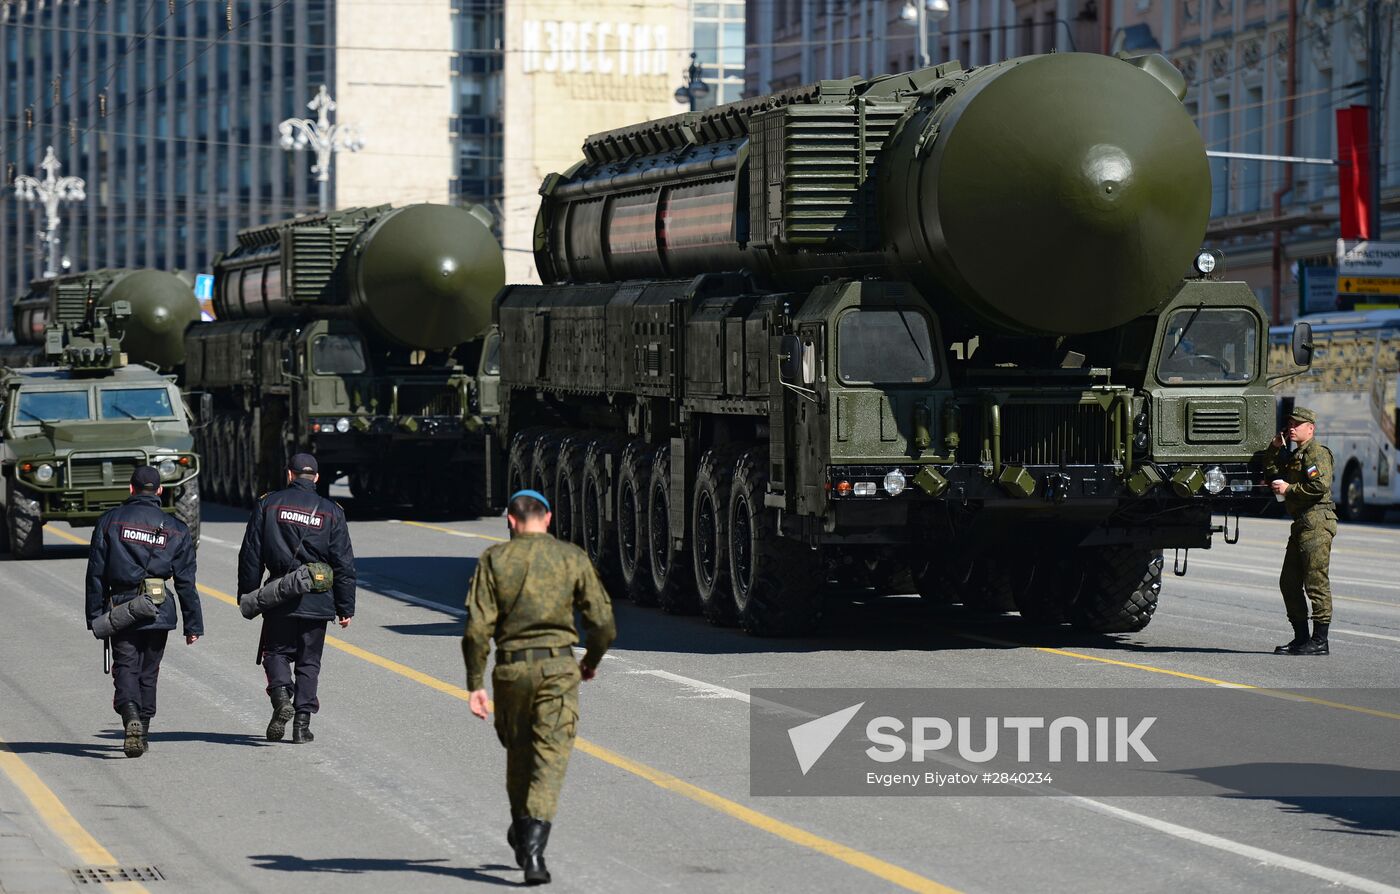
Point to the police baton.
(107, 655)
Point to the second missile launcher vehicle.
(353, 335)
(934, 330)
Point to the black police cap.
(145, 478)
(303, 464)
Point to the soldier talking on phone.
(1303, 481)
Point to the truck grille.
(429, 400)
(1041, 435)
(111, 471)
(1215, 423)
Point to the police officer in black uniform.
(290, 528)
(134, 542)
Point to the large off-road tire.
(25, 523)
(709, 535)
(946, 578)
(568, 488)
(225, 451)
(598, 531)
(544, 463)
(520, 459)
(4, 525)
(187, 508)
(247, 484)
(1120, 591)
(671, 579)
(634, 561)
(777, 583)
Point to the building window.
(719, 49)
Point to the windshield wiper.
(1185, 329)
(124, 411)
(32, 415)
(913, 339)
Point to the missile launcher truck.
(72, 432)
(350, 335)
(161, 305)
(936, 330)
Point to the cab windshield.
(52, 406)
(1209, 345)
(135, 403)
(337, 355)
(884, 347)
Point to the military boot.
(1300, 636)
(301, 728)
(513, 839)
(281, 712)
(534, 835)
(1317, 645)
(131, 725)
(145, 734)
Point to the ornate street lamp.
(324, 138)
(694, 90)
(919, 15)
(51, 191)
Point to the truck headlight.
(895, 483)
(1215, 479)
(44, 474)
(342, 424)
(167, 468)
(1205, 263)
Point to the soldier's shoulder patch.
(1312, 471)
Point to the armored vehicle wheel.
(633, 556)
(187, 508)
(223, 452)
(1121, 587)
(544, 463)
(5, 526)
(777, 583)
(568, 488)
(519, 460)
(996, 583)
(246, 484)
(599, 534)
(670, 569)
(24, 524)
(945, 578)
(709, 535)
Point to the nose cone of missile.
(162, 306)
(427, 274)
(1072, 192)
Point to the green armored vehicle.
(72, 433)
(933, 331)
(352, 335)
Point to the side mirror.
(790, 359)
(1302, 344)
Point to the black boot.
(281, 712)
(534, 835)
(301, 728)
(145, 734)
(1300, 636)
(131, 725)
(513, 839)
(1318, 644)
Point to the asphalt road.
(404, 788)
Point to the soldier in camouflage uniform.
(524, 593)
(1304, 479)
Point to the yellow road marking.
(455, 532)
(1262, 690)
(63, 824)
(850, 856)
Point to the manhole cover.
(101, 875)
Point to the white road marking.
(1345, 632)
(1245, 569)
(1268, 858)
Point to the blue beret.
(534, 495)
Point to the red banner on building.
(1354, 172)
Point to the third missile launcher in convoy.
(932, 329)
(349, 335)
(161, 305)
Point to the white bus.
(1352, 386)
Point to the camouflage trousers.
(1304, 577)
(536, 720)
